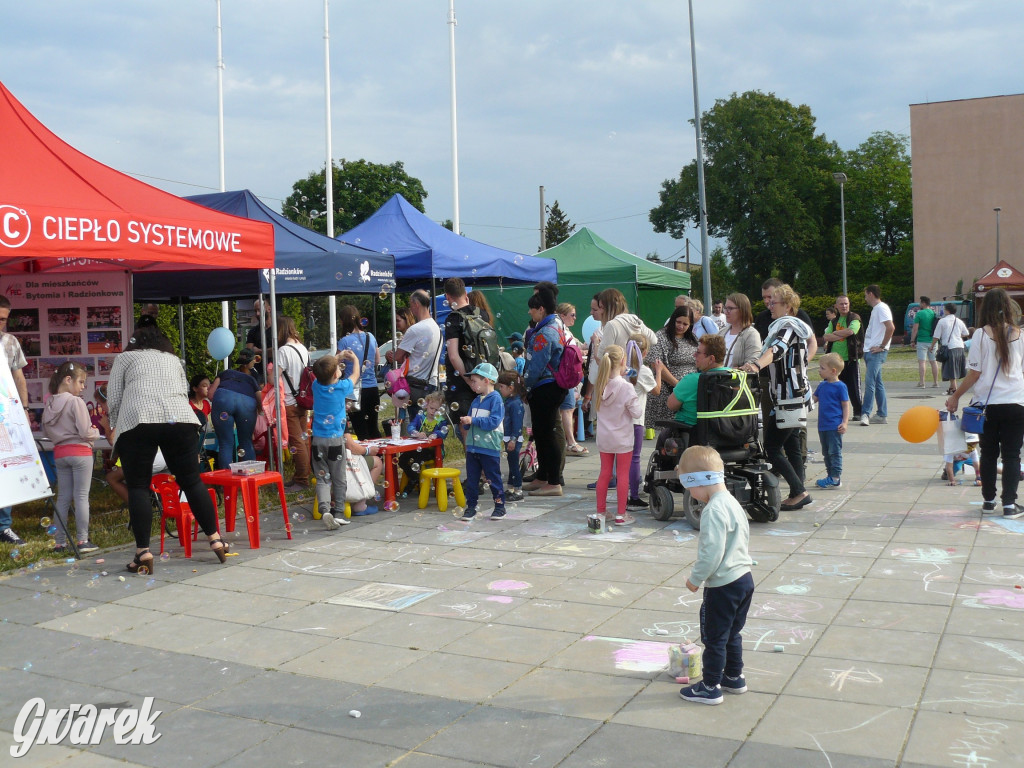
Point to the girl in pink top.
(617, 406)
(67, 423)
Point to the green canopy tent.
(587, 264)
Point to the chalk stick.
(779, 648)
(682, 680)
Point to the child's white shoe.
(329, 522)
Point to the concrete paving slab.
(278, 697)
(571, 693)
(616, 744)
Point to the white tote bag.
(951, 435)
(359, 484)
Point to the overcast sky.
(589, 98)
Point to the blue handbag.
(974, 414)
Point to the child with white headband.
(723, 567)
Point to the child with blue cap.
(484, 438)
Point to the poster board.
(84, 317)
(22, 477)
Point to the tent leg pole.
(394, 331)
(181, 330)
(332, 310)
(279, 410)
(225, 320)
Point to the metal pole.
(181, 330)
(997, 210)
(332, 302)
(455, 126)
(225, 311)
(702, 199)
(842, 216)
(278, 405)
(543, 224)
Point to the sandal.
(222, 551)
(577, 450)
(140, 564)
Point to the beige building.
(968, 158)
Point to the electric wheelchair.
(727, 415)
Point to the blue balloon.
(220, 343)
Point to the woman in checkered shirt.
(148, 398)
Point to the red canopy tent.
(61, 210)
(1004, 276)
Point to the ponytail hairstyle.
(74, 370)
(997, 312)
(636, 351)
(515, 381)
(612, 361)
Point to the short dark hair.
(324, 369)
(925, 301)
(454, 287)
(542, 299)
(874, 290)
(421, 297)
(149, 337)
(5, 303)
(770, 283)
(950, 309)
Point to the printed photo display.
(56, 319)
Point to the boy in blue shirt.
(723, 567)
(512, 391)
(328, 445)
(833, 398)
(484, 438)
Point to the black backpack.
(479, 341)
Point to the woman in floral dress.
(674, 349)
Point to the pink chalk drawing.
(508, 585)
(636, 655)
(499, 599)
(1001, 597)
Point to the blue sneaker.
(702, 693)
(498, 513)
(829, 482)
(468, 514)
(734, 684)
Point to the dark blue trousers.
(722, 616)
(483, 464)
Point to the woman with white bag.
(784, 355)
(995, 370)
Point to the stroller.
(727, 412)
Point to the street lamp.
(841, 179)
(997, 209)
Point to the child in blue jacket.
(484, 437)
(512, 390)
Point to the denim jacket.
(544, 345)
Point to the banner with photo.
(84, 317)
(22, 477)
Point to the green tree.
(558, 227)
(767, 177)
(359, 189)
(879, 207)
(723, 277)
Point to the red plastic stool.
(248, 487)
(171, 506)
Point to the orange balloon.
(919, 424)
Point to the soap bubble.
(339, 276)
(16, 555)
(415, 467)
(143, 570)
(241, 453)
(453, 406)
(383, 295)
(445, 303)
(364, 321)
(391, 506)
(328, 419)
(422, 402)
(131, 340)
(327, 478)
(44, 522)
(224, 416)
(301, 518)
(379, 408)
(474, 271)
(458, 511)
(330, 389)
(52, 530)
(386, 484)
(165, 556)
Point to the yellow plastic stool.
(405, 478)
(439, 476)
(316, 505)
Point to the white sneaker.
(865, 420)
(329, 522)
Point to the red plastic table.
(248, 486)
(390, 449)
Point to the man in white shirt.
(16, 360)
(876, 349)
(718, 314)
(421, 346)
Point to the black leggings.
(137, 448)
(365, 421)
(544, 401)
(1004, 432)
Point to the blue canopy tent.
(305, 262)
(425, 251)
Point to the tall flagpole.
(225, 307)
(332, 306)
(455, 126)
(702, 200)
